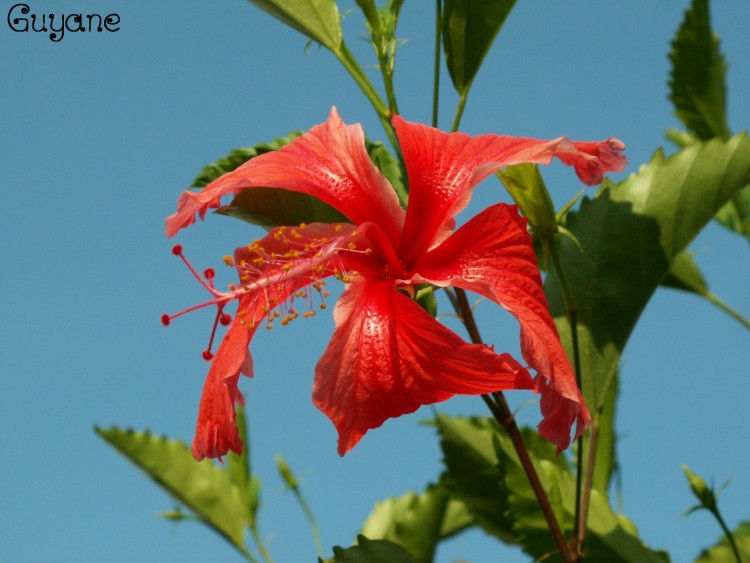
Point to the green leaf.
(271, 207)
(412, 521)
(630, 234)
(735, 215)
(698, 92)
(470, 452)
(318, 19)
(469, 28)
(697, 87)
(456, 519)
(722, 552)
(472, 475)
(685, 275)
(372, 551)
(201, 486)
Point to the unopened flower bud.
(524, 182)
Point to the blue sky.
(101, 132)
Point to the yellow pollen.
(228, 260)
(351, 246)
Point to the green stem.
(436, 68)
(502, 413)
(260, 546)
(386, 70)
(742, 213)
(460, 110)
(716, 300)
(582, 498)
(349, 62)
(728, 535)
(310, 520)
(587, 481)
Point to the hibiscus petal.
(444, 167)
(387, 357)
(492, 255)
(329, 162)
(216, 429)
(272, 271)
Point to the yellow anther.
(228, 260)
(351, 246)
(338, 228)
(269, 326)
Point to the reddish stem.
(500, 410)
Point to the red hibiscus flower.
(387, 356)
